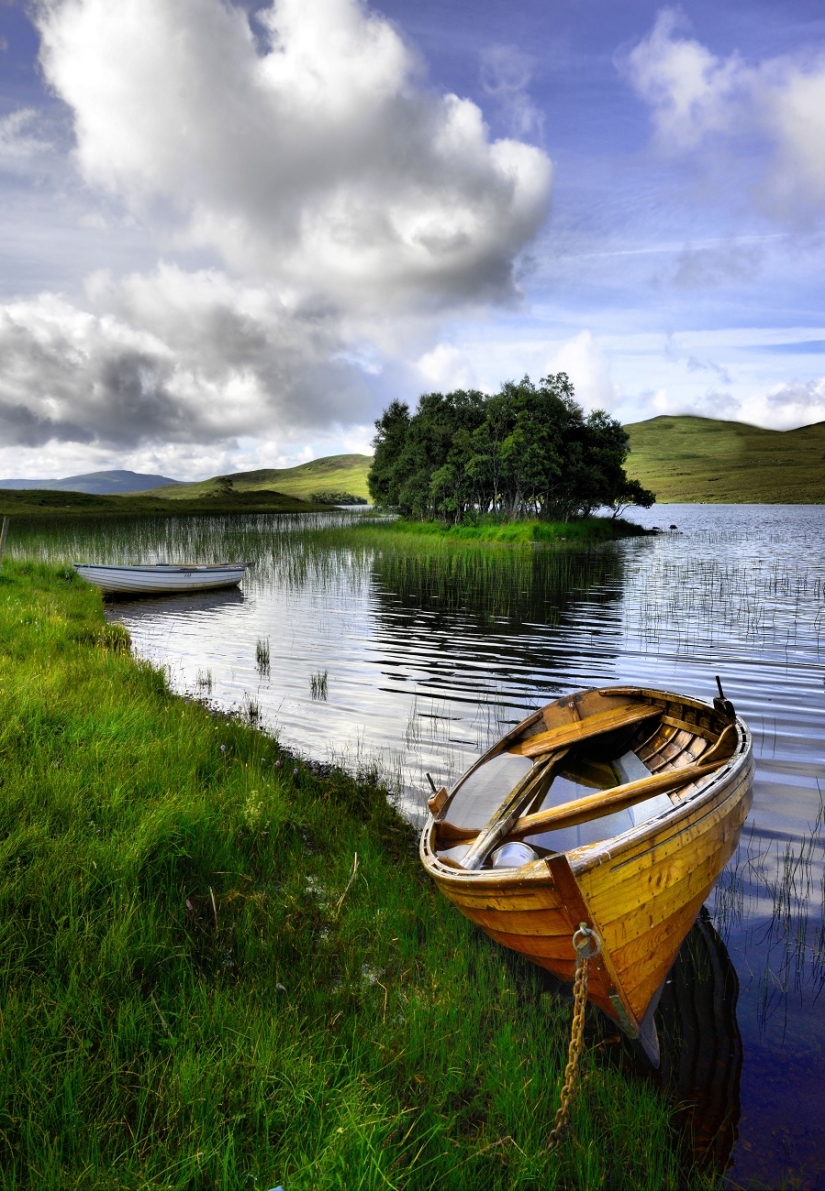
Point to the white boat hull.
(153, 579)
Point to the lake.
(413, 660)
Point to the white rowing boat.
(154, 578)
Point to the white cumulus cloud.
(690, 90)
(313, 152)
(585, 364)
(171, 357)
(338, 206)
(445, 368)
(798, 403)
(696, 95)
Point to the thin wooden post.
(3, 533)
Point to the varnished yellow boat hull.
(641, 890)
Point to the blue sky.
(231, 234)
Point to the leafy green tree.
(526, 451)
(631, 493)
(391, 428)
(452, 490)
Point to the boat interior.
(568, 780)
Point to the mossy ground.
(200, 988)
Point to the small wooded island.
(526, 452)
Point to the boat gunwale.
(589, 856)
(166, 568)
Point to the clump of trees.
(334, 496)
(528, 451)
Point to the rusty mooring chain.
(587, 945)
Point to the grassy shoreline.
(579, 531)
(202, 988)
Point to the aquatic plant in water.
(262, 655)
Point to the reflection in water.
(770, 894)
(430, 654)
(183, 602)
(523, 588)
(701, 1046)
(481, 623)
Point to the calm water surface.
(430, 654)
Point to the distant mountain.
(99, 483)
(690, 459)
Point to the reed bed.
(245, 537)
(343, 552)
(223, 968)
(706, 603)
(773, 893)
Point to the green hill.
(336, 473)
(699, 459)
(48, 503)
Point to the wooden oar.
(593, 806)
(521, 795)
(592, 725)
(555, 742)
(606, 802)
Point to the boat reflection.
(701, 1047)
(193, 601)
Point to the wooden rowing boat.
(161, 577)
(618, 808)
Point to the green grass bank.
(201, 988)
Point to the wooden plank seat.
(546, 750)
(598, 724)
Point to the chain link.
(588, 945)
